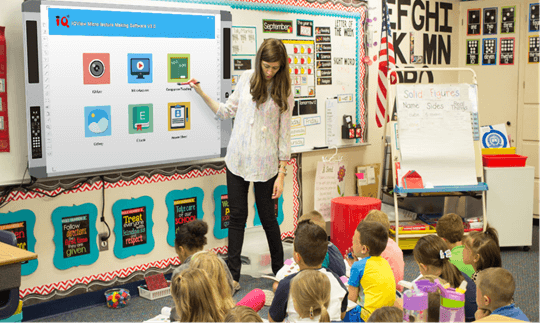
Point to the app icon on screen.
(178, 68)
(140, 118)
(140, 68)
(96, 68)
(97, 121)
(179, 116)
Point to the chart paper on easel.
(435, 132)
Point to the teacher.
(259, 148)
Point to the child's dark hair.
(386, 314)
(373, 235)
(486, 246)
(242, 313)
(450, 227)
(311, 242)
(428, 251)
(192, 235)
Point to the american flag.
(386, 61)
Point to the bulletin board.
(326, 54)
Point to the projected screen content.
(111, 95)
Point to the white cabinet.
(510, 203)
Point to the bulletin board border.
(71, 284)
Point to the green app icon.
(140, 118)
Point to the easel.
(449, 190)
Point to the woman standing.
(259, 148)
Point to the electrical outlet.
(103, 244)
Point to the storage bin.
(154, 294)
(504, 160)
(499, 151)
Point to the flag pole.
(383, 142)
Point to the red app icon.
(96, 68)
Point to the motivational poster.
(183, 207)
(21, 223)
(221, 212)
(133, 226)
(75, 235)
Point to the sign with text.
(472, 52)
(242, 64)
(473, 22)
(327, 186)
(22, 223)
(507, 51)
(134, 227)
(489, 51)
(185, 210)
(76, 235)
(490, 21)
(508, 20)
(19, 230)
(225, 211)
(304, 28)
(534, 50)
(277, 26)
(534, 18)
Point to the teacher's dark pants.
(237, 190)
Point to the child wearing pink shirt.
(392, 253)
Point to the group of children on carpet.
(317, 285)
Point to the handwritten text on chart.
(431, 94)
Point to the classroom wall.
(442, 53)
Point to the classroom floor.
(522, 264)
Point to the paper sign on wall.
(328, 185)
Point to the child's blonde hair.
(378, 216)
(209, 262)
(386, 314)
(498, 284)
(315, 217)
(486, 246)
(195, 297)
(242, 313)
(310, 291)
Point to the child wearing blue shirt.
(494, 292)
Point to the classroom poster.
(133, 226)
(490, 21)
(75, 235)
(534, 50)
(508, 20)
(22, 224)
(473, 22)
(183, 206)
(489, 51)
(507, 51)
(221, 212)
(301, 66)
(472, 52)
(329, 184)
(534, 19)
(244, 41)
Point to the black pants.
(237, 190)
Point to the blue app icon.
(97, 121)
(140, 68)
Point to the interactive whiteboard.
(103, 85)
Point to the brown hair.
(192, 235)
(486, 246)
(378, 216)
(242, 313)
(498, 284)
(315, 217)
(209, 262)
(386, 314)
(195, 297)
(311, 242)
(373, 235)
(450, 227)
(428, 252)
(272, 50)
(310, 291)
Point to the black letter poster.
(225, 212)
(185, 210)
(76, 235)
(134, 227)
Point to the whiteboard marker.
(187, 83)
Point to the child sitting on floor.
(372, 274)
(482, 250)
(450, 229)
(195, 297)
(392, 253)
(332, 260)
(241, 313)
(310, 247)
(310, 291)
(494, 292)
(433, 258)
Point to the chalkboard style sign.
(489, 51)
(22, 224)
(221, 212)
(183, 207)
(473, 22)
(278, 212)
(490, 21)
(534, 12)
(508, 20)
(75, 235)
(133, 227)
